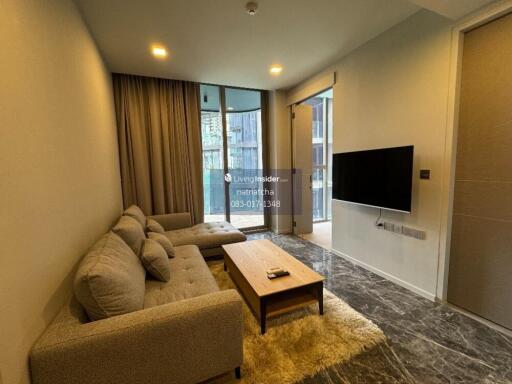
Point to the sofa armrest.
(182, 342)
(173, 221)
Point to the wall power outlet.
(416, 233)
(402, 230)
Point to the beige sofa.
(187, 331)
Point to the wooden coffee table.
(248, 262)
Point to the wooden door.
(480, 275)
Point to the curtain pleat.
(159, 132)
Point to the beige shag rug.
(300, 343)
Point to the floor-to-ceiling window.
(232, 135)
(322, 154)
(213, 153)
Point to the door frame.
(474, 20)
(264, 149)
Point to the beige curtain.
(159, 134)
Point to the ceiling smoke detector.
(251, 7)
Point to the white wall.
(59, 172)
(393, 91)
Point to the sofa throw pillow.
(110, 279)
(131, 232)
(154, 226)
(155, 260)
(163, 241)
(135, 212)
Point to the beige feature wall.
(393, 91)
(60, 183)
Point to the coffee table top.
(253, 258)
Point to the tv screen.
(380, 178)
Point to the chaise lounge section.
(209, 237)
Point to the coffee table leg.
(263, 316)
(321, 298)
(225, 266)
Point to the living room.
(259, 192)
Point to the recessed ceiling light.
(275, 69)
(230, 108)
(159, 52)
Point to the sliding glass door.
(245, 157)
(233, 156)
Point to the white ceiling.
(216, 41)
(453, 9)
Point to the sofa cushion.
(154, 226)
(131, 232)
(163, 241)
(206, 235)
(155, 260)
(135, 212)
(190, 277)
(110, 279)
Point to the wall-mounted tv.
(379, 178)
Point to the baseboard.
(489, 323)
(387, 276)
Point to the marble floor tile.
(428, 342)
